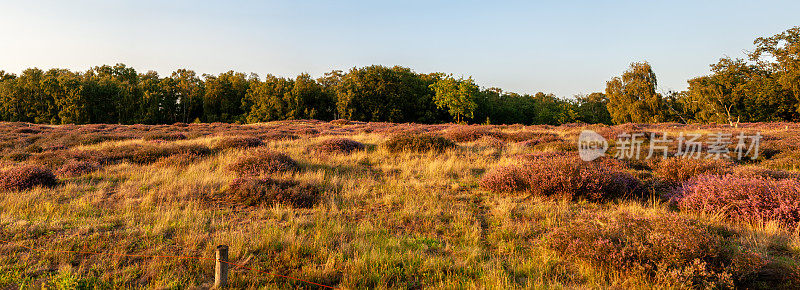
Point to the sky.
(561, 47)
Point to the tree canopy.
(764, 87)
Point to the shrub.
(263, 162)
(789, 160)
(51, 159)
(145, 154)
(418, 143)
(564, 177)
(177, 160)
(237, 142)
(164, 136)
(25, 177)
(556, 146)
(755, 171)
(77, 168)
(340, 122)
(27, 130)
(279, 136)
(338, 145)
(259, 191)
(536, 137)
(743, 198)
(668, 248)
(468, 133)
(491, 142)
(677, 170)
(18, 156)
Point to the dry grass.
(412, 215)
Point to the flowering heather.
(540, 139)
(338, 145)
(250, 191)
(491, 142)
(418, 143)
(144, 154)
(556, 146)
(563, 177)
(468, 133)
(743, 198)
(164, 136)
(677, 170)
(27, 130)
(755, 171)
(787, 160)
(523, 136)
(263, 162)
(25, 177)
(669, 248)
(340, 122)
(18, 156)
(279, 136)
(237, 142)
(76, 168)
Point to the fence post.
(221, 269)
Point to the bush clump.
(469, 133)
(789, 160)
(668, 248)
(338, 145)
(563, 177)
(76, 168)
(250, 191)
(418, 143)
(743, 198)
(145, 154)
(237, 142)
(674, 171)
(164, 137)
(263, 162)
(529, 138)
(25, 177)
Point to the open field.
(362, 205)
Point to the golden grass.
(385, 220)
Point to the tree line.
(764, 87)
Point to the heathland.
(360, 205)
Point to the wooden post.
(221, 269)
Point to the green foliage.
(632, 98)
(456, 95)
(765, 88)
(592, 109)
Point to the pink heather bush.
(265, 191)
(279, 136)
(237, 142)
(677, 170)
(492, 142)
(164, 136)
(338, 145)
(743, 198)
(521, 136)
(540, 138)
(25, 177)
(667, 248)
(420, 143)
(562, 177)
(468, 133)
(263, 162)
(76, 168)
(787, 160)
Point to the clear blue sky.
(563, 47)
